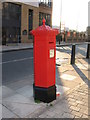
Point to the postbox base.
(44, 94)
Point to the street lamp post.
(60, 21)
(60, 15)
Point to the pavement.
(22, 46)
(72, 88)
(15, 47)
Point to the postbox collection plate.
(51, 53)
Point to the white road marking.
(16, 60)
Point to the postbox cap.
(44, 29)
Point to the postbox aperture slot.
(51, 42)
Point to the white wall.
(30, 2)
(89, 13)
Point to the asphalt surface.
(17, 65)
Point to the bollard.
(88, 51)
(59, 41)
(73, 54)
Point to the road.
(17, 65)
(17, 86)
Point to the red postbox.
(44, 63)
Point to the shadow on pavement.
(58, 80)
(81, 74)
(87, 60)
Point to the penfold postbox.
(44, 63)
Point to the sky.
(74, 14)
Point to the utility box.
(44, 63)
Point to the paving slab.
(62, 61)
(7, 113)
(20, 109)
(0, 92)
(63, 68)
(20, 83)
(82, 61)
(78, 114)
(65, 108)
(1, 101)
(79, 55)
(7, 92)
(86, 73)
(68, 77)
(62, 55)
(0, 111)
(48, 114)
(17, 98)
(26, 91)
(69, 84)
(82, 66)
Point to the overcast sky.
(74, 14)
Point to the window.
(30, 23)
(46, 2)
(46, 16)
(11, 22)
(30, 20)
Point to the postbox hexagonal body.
(44, 63)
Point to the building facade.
(88, 33)
(19, 18)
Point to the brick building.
(19, 18)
